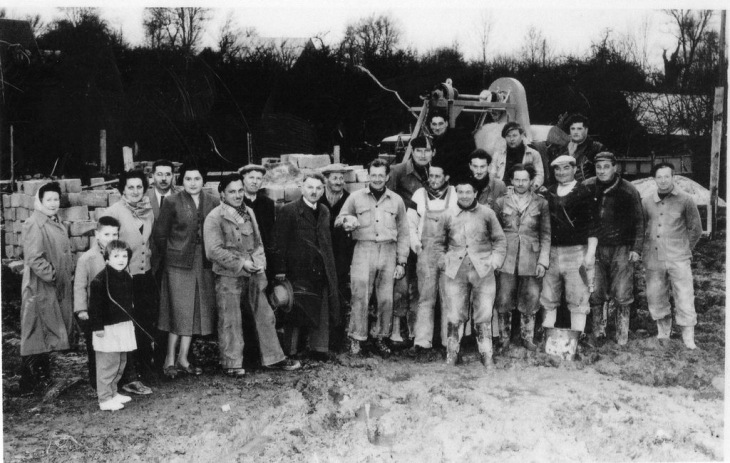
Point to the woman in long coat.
(135, 215)
(47, 291)
(187, 299)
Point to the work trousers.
(405, 294)
(373, 267)
(614, 276)
(231, 293)
(319, 336)
(109, 369)
(660, 276)
(469, 286)
(430, 285)
(518, 291)
(563, 274)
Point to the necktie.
(162, 200)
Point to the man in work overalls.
(425, 222)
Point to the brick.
(94, 198)
(114, 197)
(82, 228)
(350, 187)
(6, 201)
(79, 243)
(74, 199)
(9, 214)
(71, 185)
(16, 200)
(30, 187)
(275, 192)
(292, 193)
(22, 213)
(74, 213)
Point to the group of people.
(439, 236)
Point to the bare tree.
(179, 28)
(536, 50)
(691, 26)
(483, 31)
(371, 37)
(77, 15)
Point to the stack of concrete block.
(307, 161)
(78, 212)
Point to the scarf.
(421, 171)
(481, 184)
(603, 188)
(38, 205)
(142, 210)
(439, 193)
(470, 207)
(240, 212)
(377, 193)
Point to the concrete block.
(79, 243)
(292, 193)
(275, 192)
(114, 197)
(94, 198)
(10, 251)
(64, 200)
(9, 214)
(10, 238)
(309, 161)
(82, 228)
(30, 187)
(98, 212)
(350, 176)
(16, 267)
(212, 191)
(74, 199)
(22, 213)
(71, 185)
(16, 200)
(18, 250)
(362, 176)
(6, 201)
(74, 213)
(96, 181)
(284, 158)
(28, 202)
(350, 187)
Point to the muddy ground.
(640, 402)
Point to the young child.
(110, 303)
(89, 265)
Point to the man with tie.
(162, 172)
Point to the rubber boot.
(596, 326)
(550, 317)
(578, 321)
(452, 343)
(395, 335)
(484, 343)
(688, 336)
(623, 315)
(505, 328)
(527, 332)
(664, 327)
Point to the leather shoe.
(170, 371)
(190, 370)
(136, 387)
(285, 365)
(235, 372)
(382, 348)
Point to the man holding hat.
(405, 179)
(620, 240)
(304, 256)
(515, 152)
(572, 246)
(334, 198)
(233, 244)
(263, 207)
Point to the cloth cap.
(605, 156)
(252, 167)
(564, 159)
(335, 169)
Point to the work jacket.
(527, 234)
(474, 233)
(619, 214)
(499, 162)
(404, 180)
(231, 239)
(494, 189)
(140, 243)
(673, 227)
(585, 157)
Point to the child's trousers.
(109, 369)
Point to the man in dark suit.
(305, 257)
(263, 207)
(342, 244)
(162, 172)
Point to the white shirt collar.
(312, 206)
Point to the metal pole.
(102, 151)
(12, 160)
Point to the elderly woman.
(47, 312)
(187, 305)
(134, 213)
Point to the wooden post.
(249, 148)
(717, 120)
(128, 156)
(102, 151)
(336, 154)
(12, 160)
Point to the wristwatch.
(402, 264)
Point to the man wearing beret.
(405, 179)
(573, 244)
(620, 239)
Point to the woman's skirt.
(117, 338)
(187, 299)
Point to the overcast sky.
(568, 26)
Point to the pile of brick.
(79, 211)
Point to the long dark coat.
(300, 245)
(47, 312)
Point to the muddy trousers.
(373, 267)
(519, 292)
(34, 370)
(563, 274)
(677, 275)
(466, 286)
(109, 369)
(405, 296)
(230, 294)
(430, 286)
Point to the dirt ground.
(640, 402)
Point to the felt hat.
(281, 296)
(564, 159)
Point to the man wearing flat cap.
(572, 246)
(343, 245)
(405, 179)
(620, 221)
(262, 206)
(514, 152)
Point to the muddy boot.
(484, 343)
(452, 343)
(688, 336)
(594, 340)
(505, 331)
(622, 324)
(527, 332)
(664, 328)
(578, 321)
(355, 347)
